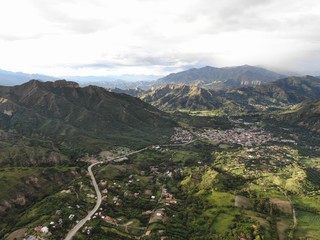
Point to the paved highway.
(80, 224)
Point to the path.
(294, 216)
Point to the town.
(239, 136)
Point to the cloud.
(18, 37)
(133, 36)
(71, 15)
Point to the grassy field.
(221, 199)
(308, 225)
(309, 202)
(222, 222)
(109, 171)
(184, 156)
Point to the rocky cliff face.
(65, 84)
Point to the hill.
(221, 78)
(76, 116)
(277, 94)
(305, 114)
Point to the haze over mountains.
(8, 78)
(221, 78)
(207, 77)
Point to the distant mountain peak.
(221, 78)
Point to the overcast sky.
(114, 37)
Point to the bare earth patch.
(123, 168)
(242, 202)
(18, 234)
(108, 155)
(283, 206)
(282, 229)
(253, 215)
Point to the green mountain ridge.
(305, 114)
(277, 94)
(185, 97)
(65, 112)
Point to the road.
(80, 224)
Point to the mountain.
(174, 97)
(221, 78)
(277, 94)
(126, 81)
(290, 90)
(8, 78)
(86, 117)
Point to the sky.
(157, 37)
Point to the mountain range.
(8, 78)
(221, 78)
(219, 142)
(126, 81)
(206, 77)
(283, 92)
(77, 116)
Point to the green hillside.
(87, 117)
(275, 95)
(306, 114)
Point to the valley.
(246, 166)
(159, 120)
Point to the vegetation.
(280, 94)
(191, 188)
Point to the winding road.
(80, 224)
